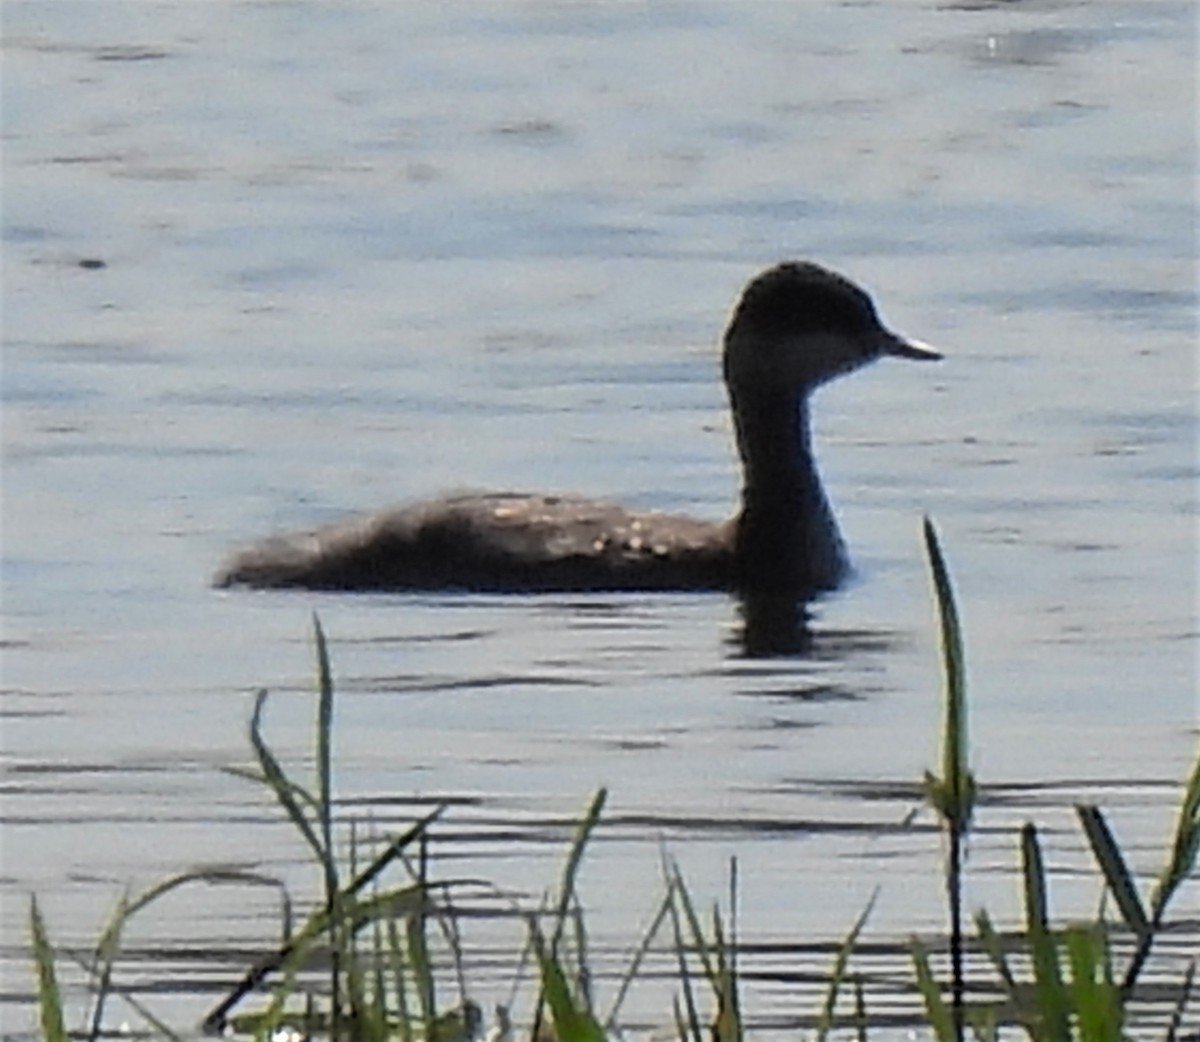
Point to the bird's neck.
(787, 537)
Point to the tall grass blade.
(99, 966)
(266, 1024)
(993, 947)
(838, 973)
(691, 1026)
(635, 963)
(158, 1028)
(583, 954)
(1112, 864)
(103, 961)
(416, 936)
(727, 1024)
(326, 852)
(1185, 848)
(571, 869)
(729, 967)
(1095, 1000)
(49, 997)
(936, 1010)
(218, 1017)
(958, 786)
(572, 1023)
(278, 781)
(256, 775)
(718, 972)
(324, 757)
(1052, 1005)
(324, 735)
(567, 889)
(684, 899)
(952, 795)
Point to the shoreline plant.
(383, 951)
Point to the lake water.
(362, 253)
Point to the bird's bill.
(906, 347)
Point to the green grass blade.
(1182, 863)
(1185, 847)
(953, 795)
(956, 778)
(218, 1017)
(639, 956)
(838, 973)
(567, 885)
(100, 966)
(324, 756)
(993, 947)
(572, 1023)
(573, 956)
(936, 1010)
(158, 1028)
(718, 973)
(417, 940)
(211, 876)
(251, 774)
(326, 852)
(1112, 865)
(414, 833)
(103, 961)
(278, 781)
(385, 906)
(727, 1024)
(1048, 985)
(1095, 1000)
(730, 1013)
(691, 1027)
(50, 1009)
(574, 859)
(684, 897)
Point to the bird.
(795, 327)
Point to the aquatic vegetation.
(1073, 994)
(371, 961)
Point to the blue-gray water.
(362, 253)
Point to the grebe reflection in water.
(796, 326)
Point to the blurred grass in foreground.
(384, 947)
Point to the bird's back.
(504, 542)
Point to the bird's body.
(796, 326)
(497, 541)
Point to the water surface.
(355, 254)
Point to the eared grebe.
(796, 326)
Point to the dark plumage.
(796, 326)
